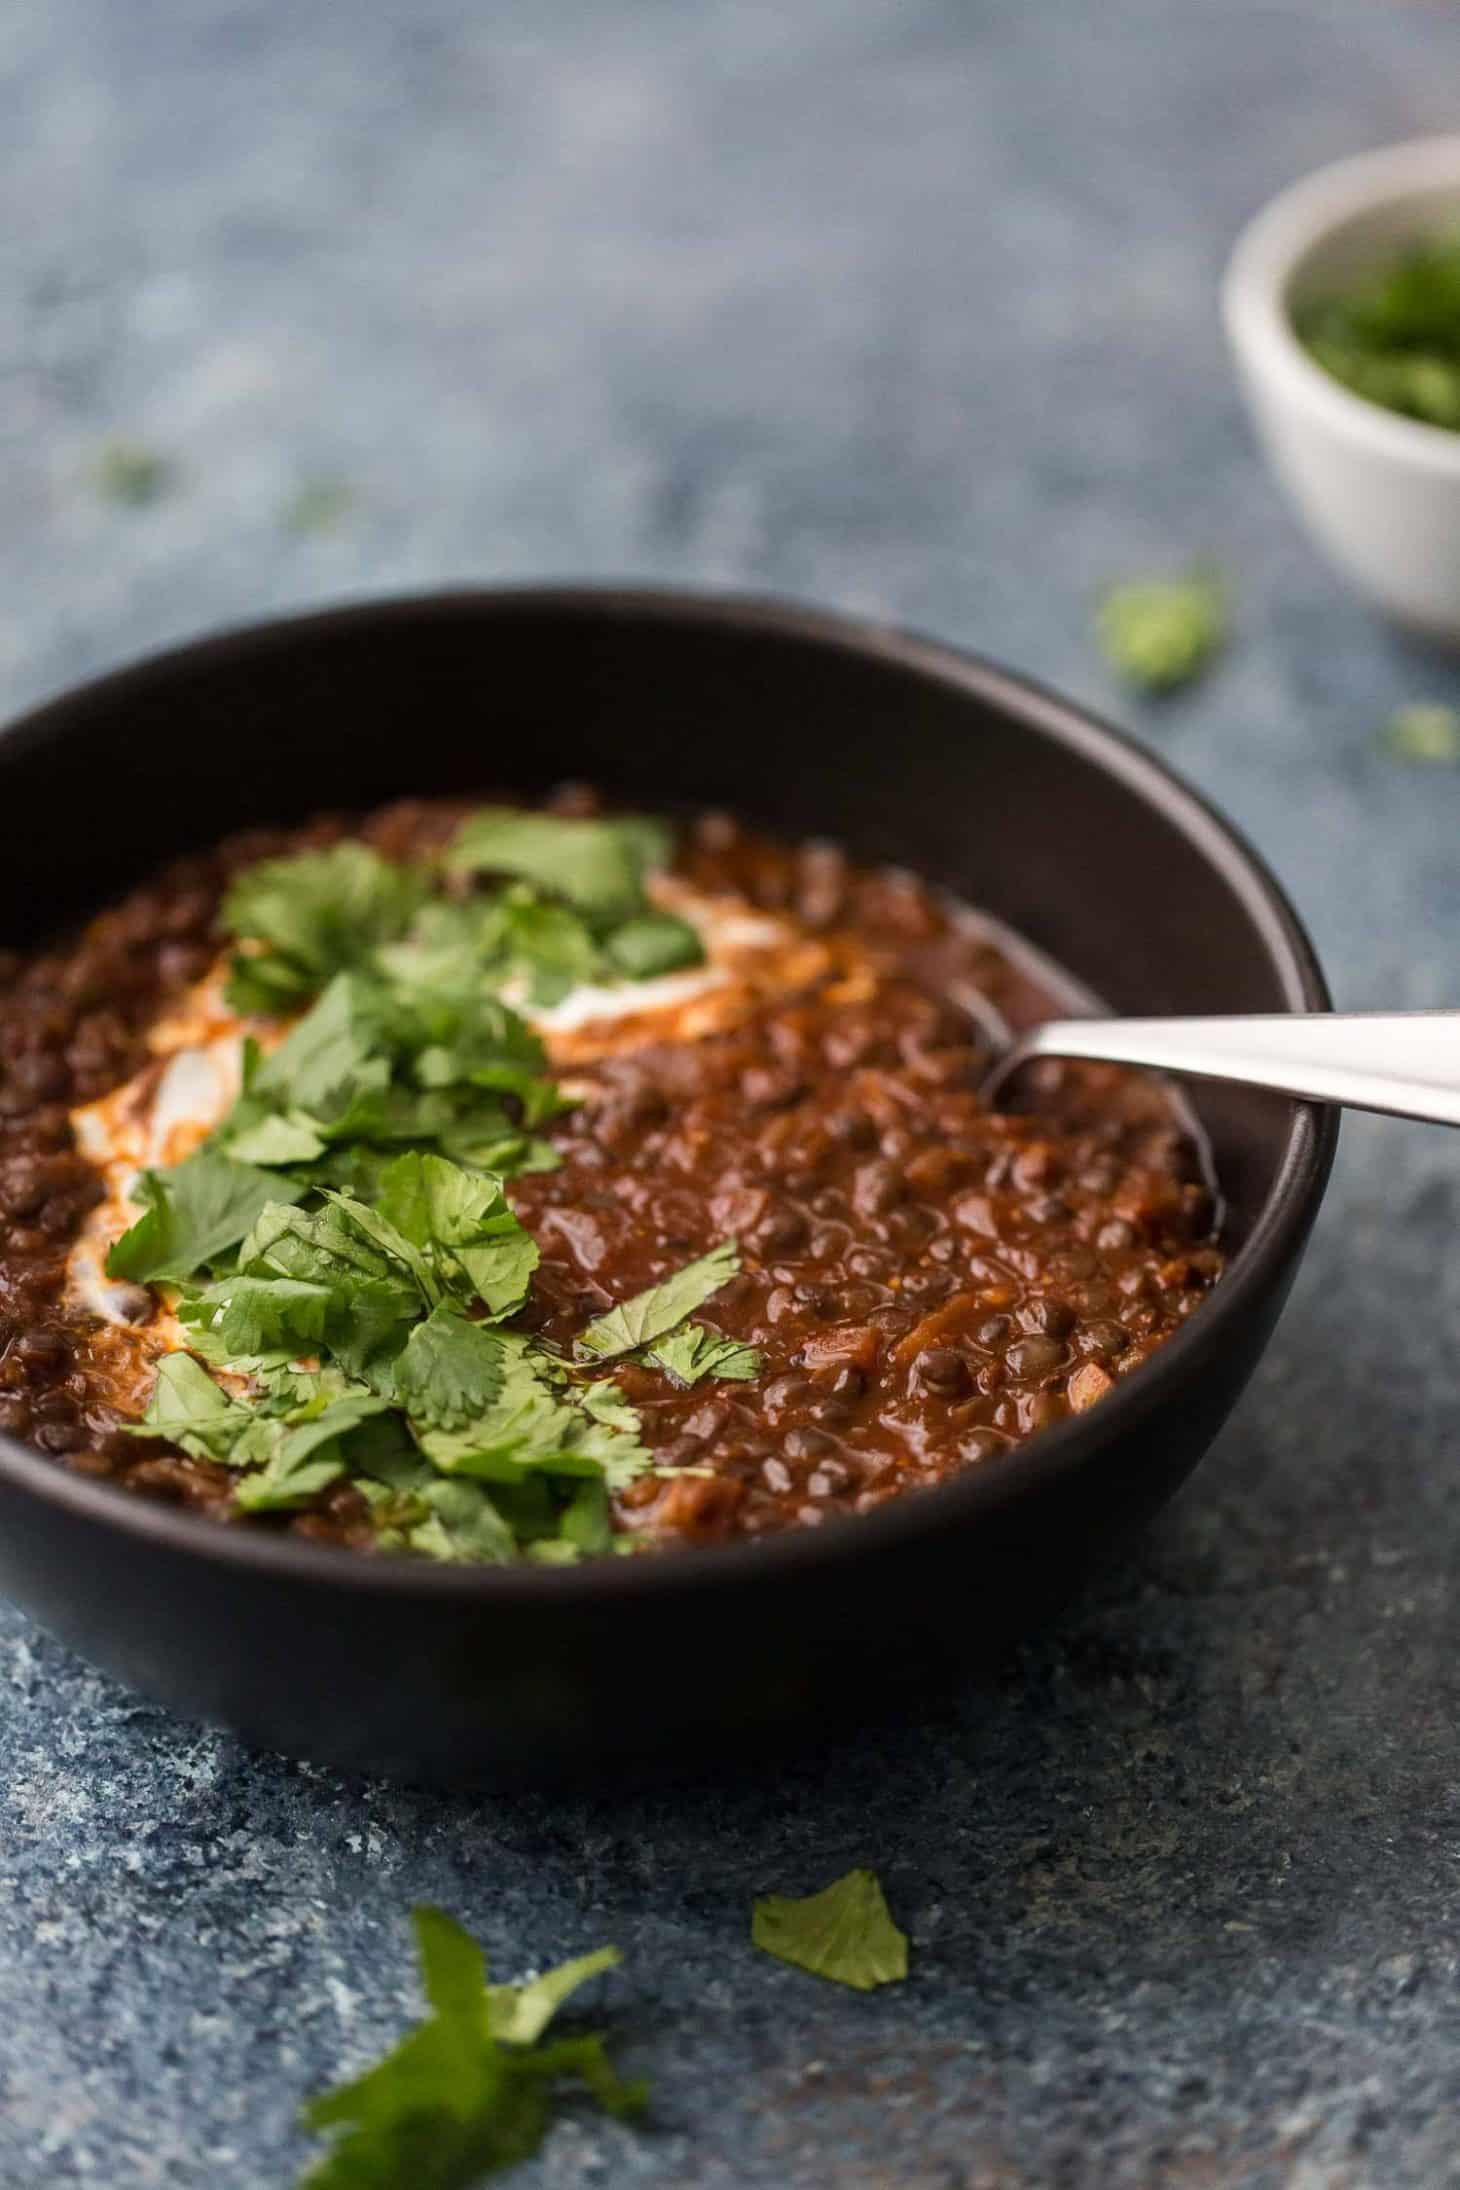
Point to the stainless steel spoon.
(1405, 1063)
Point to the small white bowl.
(1380, 492)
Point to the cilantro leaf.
(585, 1526)
(845, 1933)
(285, 1138)
(469, 2091)
(461, 1221)
(474, 1040)
(692, 1351)
(538, 941)
(369, 1324)
(453, 1969)
(519, 2014)
(317, 914)
(190, 1410)
(611, 1439)
(652, 1314)
(652, 943)
(1159, 633)
(547, 946)
(462, 1522)
(528, 1425)
(443, 952)
(598, 866)
(326, 1246)
(450, 1370)
(484, 1140)
(307, 1458)
(371, 1300)
(191, 1215)
(243, 1316)
(400, 1252)
(329, 1080)
(332, 1065)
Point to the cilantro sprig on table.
(342, 1250)
(468, 2093)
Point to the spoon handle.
(1406, 1063)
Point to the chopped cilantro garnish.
(342, 1249)
(573, 910)
(692, 1351)
(130, 473)
(652, 1314)
(470, 2091)
(1159, 633)
(1425, 732)
(319, 505)
(292, 1442)
(845, 1933)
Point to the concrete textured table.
(908, 306)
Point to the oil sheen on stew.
(924, 1282)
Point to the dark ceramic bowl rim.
(1055, 1454)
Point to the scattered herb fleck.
(319, 506)
(469, 2093)
(845, 1933)
(1159, 633)
(1424, 732)
(192, 1214)
(129, 473)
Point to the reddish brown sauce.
(928, 1281)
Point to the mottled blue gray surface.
(909, 306)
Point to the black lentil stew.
(478, 1183)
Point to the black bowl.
(900, 748)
